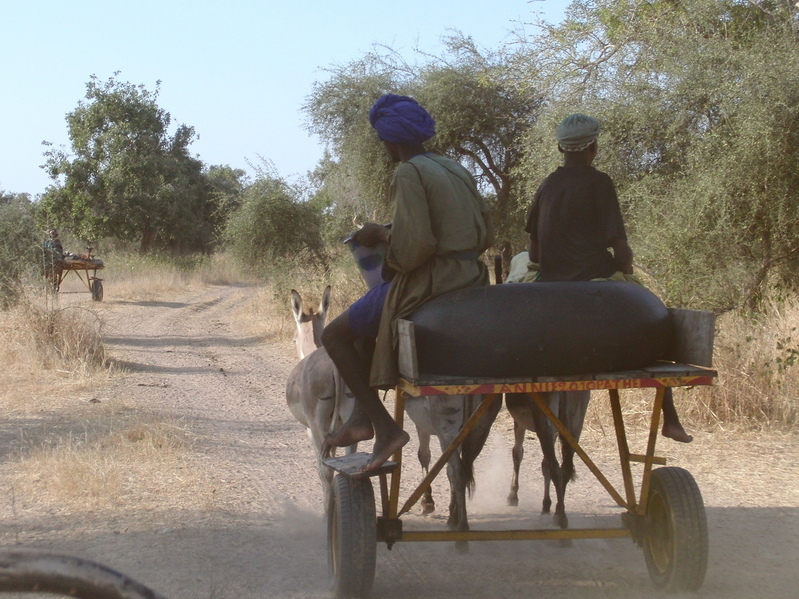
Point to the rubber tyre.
(676, 540)
(97, 290)
(351, 537)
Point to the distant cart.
(85, 267)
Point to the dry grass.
(758, 364)
(64, 449)
(107, 457)
(152, 277)
(269, 314)
(48, 349)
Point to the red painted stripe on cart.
(544, 387)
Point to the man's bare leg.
(370, 418)
(671, 421)
(357, 428)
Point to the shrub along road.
(234, 508)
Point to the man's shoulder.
(577, 175)
(437, 162)
(436, 166)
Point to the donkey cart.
(85, 268)
(665, 515)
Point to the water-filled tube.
(538, 329)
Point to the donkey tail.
(473, 443)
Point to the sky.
(238, 71)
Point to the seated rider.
(53, 243)
(574, 219)
(441, 225)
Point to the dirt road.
(239, 514)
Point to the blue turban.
(401, 120)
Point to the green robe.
(438, 213)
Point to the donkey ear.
(324, 305)
(296, 305)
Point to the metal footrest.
(351, 465)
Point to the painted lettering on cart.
(569, 386)
(530, 387)
(544, 387)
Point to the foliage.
(274, 227)
(480, 109)
(19, 250)
(128, 177)
(357, 171)
(225, 186)
(698, 100)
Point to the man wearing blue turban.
(401, 120)
(440, 228)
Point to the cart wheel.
(97, 290)
(351, 537)
(676, 543)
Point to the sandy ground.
(240, 513)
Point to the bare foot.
(676, 432)
(384, 448)
(349, 434)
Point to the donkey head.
(310, 322)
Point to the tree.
(355, 171)
(225, 186)
(698, 100)
(480, 108)
(482, 111)
(19, 251)
(128, 177)
(273, 226)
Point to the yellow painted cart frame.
(675, 543)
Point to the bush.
(274, 227)
(19, 245)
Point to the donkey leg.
(427, 502)
(517, 453)
(546, 504)
(546, 437)
(457, 505)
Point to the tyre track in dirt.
(230, 388)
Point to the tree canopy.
(20, 247)
(127, 176)
(698, 100)
(273, 226)
(480, 109)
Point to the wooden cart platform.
(85, 268)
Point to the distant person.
(53, 258)
(575, 218)
(440, 228)
(53, 243)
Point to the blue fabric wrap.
(364, 315)
(401, 120)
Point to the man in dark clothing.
(54, 243)
(574, 220)
(575, 216)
